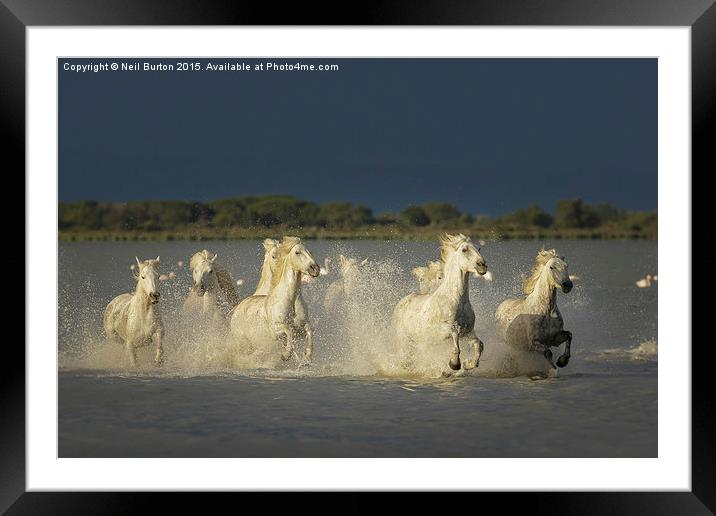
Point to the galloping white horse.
(429, 277)
(445, 314)
(260, 322)
(534, 323)
(213, 289)
(342, 288)
(132, 318)
(301, 325)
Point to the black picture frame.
(700, 15)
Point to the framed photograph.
(416, 250)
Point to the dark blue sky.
(489, 135)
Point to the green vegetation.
(259, 216)
(413, 216)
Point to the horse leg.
(478, 347)
(112, 337)
(406, 353)
(131, 352)
(309, 342)
(563, 360)
(288, 346)
(541, 348)
(455, 357)
(159, 354)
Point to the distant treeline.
(243, 216)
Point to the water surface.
(350, 402)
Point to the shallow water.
(353, 401)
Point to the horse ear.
(138, 262)
(157, 260)
(342, 259)
(364, 262)
(214, 258)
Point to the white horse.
(132, 318)
(341, 289)
(212, 294)
(446, 314)
(534, 323)
(429, 277)
(263, 320)
(301, 325)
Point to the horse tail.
(226, 284)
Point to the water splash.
(353, 338)
(645, 351)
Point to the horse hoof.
(563, 361)
(455, 363)
(472, 364)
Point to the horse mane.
(542, 258)
(226, 284)
(450, 243)
(282, 254)
(223, 276)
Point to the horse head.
(300, 258)
(554, 267)
(461, 249)
(292, 253)
(148, 278)
(558, 274)
(202, 271)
